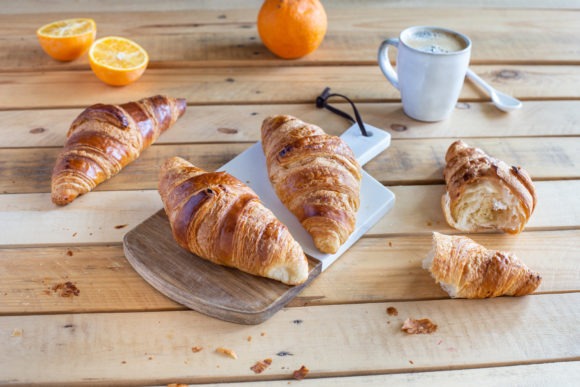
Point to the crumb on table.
(17, 332)
(301, 373)
(227, 352)
(261, 366)
(66, 289)
(421, 326)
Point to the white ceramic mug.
(431, 67)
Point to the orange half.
(117, 61)
(68, 39)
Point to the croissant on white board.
(316, 176)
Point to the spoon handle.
(475, 78)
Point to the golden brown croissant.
(105, 138)
(484, 193)
(466, 269)
(219, 218)
(316, 176)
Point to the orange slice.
(67, 39)
(117, 61)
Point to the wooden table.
(120, 331)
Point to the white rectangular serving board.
(375, 199)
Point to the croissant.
(219, 218)
(466, 269)
(484, 193)
(316, 176)
(105, 138)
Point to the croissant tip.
(276, 120)
(290, 274)
(181, 104)
(63, 199)
(175, 162)
(327, 244)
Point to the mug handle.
(384, 62)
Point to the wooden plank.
(64, 6)
(104, 217)
(241, 123)
(248, 85)
(373, 270)
(559, 374)
(145, 348)
(405, 162)
(203, 37)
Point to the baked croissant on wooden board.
(484, 193)
(219, 218)
(466, 269)
(316, 176)
(103, 139)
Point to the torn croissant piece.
(103, 139)
(219, 218)
(316, 176)
(484, 193)
(466, 269)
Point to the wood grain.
(565, 373)
(63, 6)
(104, 217)
(249, 85)
(209, 124)
(221, 292)
(155, 347)
(404, 162)
(218, 37)
(373, 270)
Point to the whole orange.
(292, 28)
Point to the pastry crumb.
(227, 352)
(392, 311)
(421, 326)
(196, 349)
(66, 289)
(301, 373)
(17, 332)
(261, 366)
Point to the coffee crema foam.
(435, 41)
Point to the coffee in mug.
(431, 67)
(436, 41)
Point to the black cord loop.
(322, 102)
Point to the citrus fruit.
(67, 39)
(292, 28)
(117, 61)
